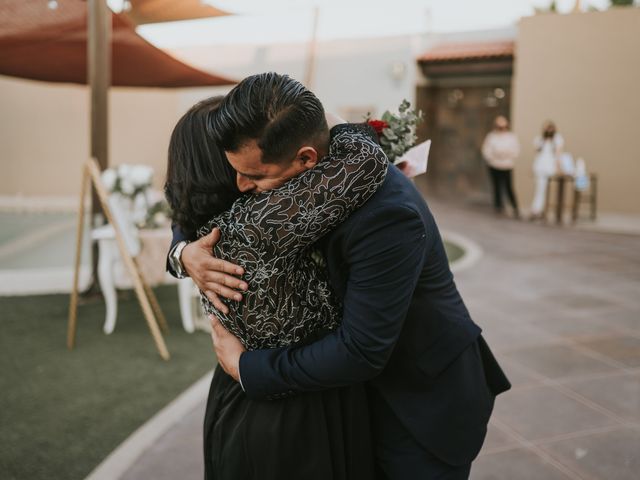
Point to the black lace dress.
(316, 435)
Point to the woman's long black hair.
(200, 181)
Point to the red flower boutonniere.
(378, 125)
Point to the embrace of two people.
(345, 350)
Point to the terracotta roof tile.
(446, 52)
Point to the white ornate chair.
(111, 271)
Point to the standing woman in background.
(500, 149)
(549, 146)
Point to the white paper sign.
(416, 159)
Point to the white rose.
(159, 218)
(141, 175)
(139, 216)
(409, 139)
(109, 177)
(126, 186)
(124, 171)
(154, 196)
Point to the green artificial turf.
(454, 251)
(62, 412)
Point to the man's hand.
(227, 347)
(213, 276)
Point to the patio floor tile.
(514, 464)
(623, 349)
(580, 302)
(511, 336)
(571, 326)
(542, 412)
(496, 438)
(628, 318)
(557, 361)
(619, 394)
(611, 455)
(518, 375)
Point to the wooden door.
(457, 120)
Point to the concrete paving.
(177, 455)
(561, 309)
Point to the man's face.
(253, 176)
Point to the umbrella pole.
(311, 55)
(99, 63)
(99, 76)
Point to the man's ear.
(308, 156)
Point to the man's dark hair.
(277, 111)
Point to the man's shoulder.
(397, 191)
(396, 194)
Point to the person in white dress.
(549, 146)
(500, 149)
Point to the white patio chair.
(111, 272)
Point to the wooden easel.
(146, 297)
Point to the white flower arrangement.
(158, 214)
(128, 180)
(397, 130)
(132, 183)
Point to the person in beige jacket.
(500, 150)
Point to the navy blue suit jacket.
(404, 329)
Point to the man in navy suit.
(405, 330)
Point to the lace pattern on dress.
(271, 234)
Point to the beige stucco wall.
(583, 71)
(44, 133)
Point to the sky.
(288, 21)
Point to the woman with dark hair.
(319, 435)
(200, 182)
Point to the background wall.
(44, 130)
(44, 133)
(583, 71)
(349, 75)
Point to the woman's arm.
(292, 217)
(383, 272)
(263, 231)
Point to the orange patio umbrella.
(156, 11)
(41, 43)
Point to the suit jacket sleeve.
(178, 236)
(386, 250)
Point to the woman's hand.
(211, 275)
